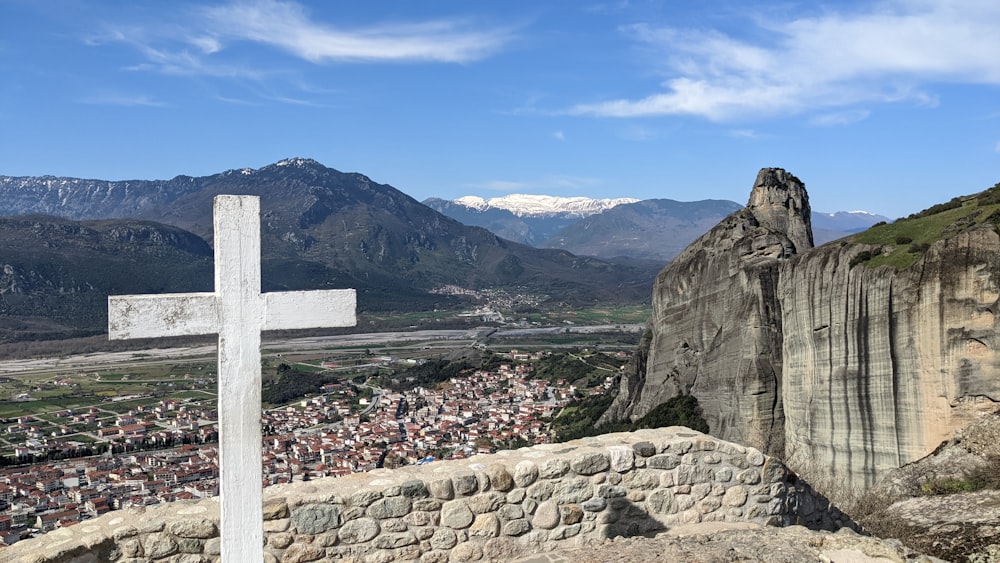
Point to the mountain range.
(653, 229)
(320, 228)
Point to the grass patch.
(904, 241)
(982, 477)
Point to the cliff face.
(716, 326)
(882, 365)
(847, 371)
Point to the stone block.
(663, 461)
(390, 507)
(622, 458)
(591, 463)
(525, 473)
(662, 501)
(359, 531)
(500, 478)
(414, 489)
(516, 496)
(487, 502)
(315, 518)
(553, 469)
(427, 505)
(365, 497)
(611, 491)
(157, 545)
(456, 514)
(444, 538)
(466, 551)
(277, 525)
(193, 528)
(485, 526)
(300, 553)
(573, 491)
(465, 484)
(275, 509)
(748, 476)
(541, 491)
(393, 525)
(644, 449)
(642, 479)
(546, 515)
(571, 513)
(280, 541)
(394, 541)
(442, 489)
(709, 504)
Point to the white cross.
(238, 312)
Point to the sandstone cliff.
(882, 365)
(846, 369)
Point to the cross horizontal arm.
(286, 310)
(169, 314)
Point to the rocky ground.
(721, 542)
(948, 503)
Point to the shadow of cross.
(237, 311)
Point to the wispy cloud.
(123, 100)
(997, 147)
(744, 134)
(288, 26)
(197, 44)
(840, 118)
(890, 53)
(559, 136)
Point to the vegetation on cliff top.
(904, 241)
(578, 418)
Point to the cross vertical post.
(237, 311)
(240, 311)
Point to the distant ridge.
(653, 229)
(524, 205)
(320, 228)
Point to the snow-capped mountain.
(524, 205)
(647, 229)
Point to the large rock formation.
(716, 326)
(883, 365)
(845, 369)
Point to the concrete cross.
(237, 311)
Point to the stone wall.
(495, 507)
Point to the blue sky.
(885, 106)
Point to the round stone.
(500, 478)
(444, 538)
(359, 530)
(456, 514)
(546, 515)
(525, 473)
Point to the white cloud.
(890, 53)
(744, 134)
(287, 26)
(123, 100)
(997, 147)
(559, 136)
(195, 44)
(840, 118)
